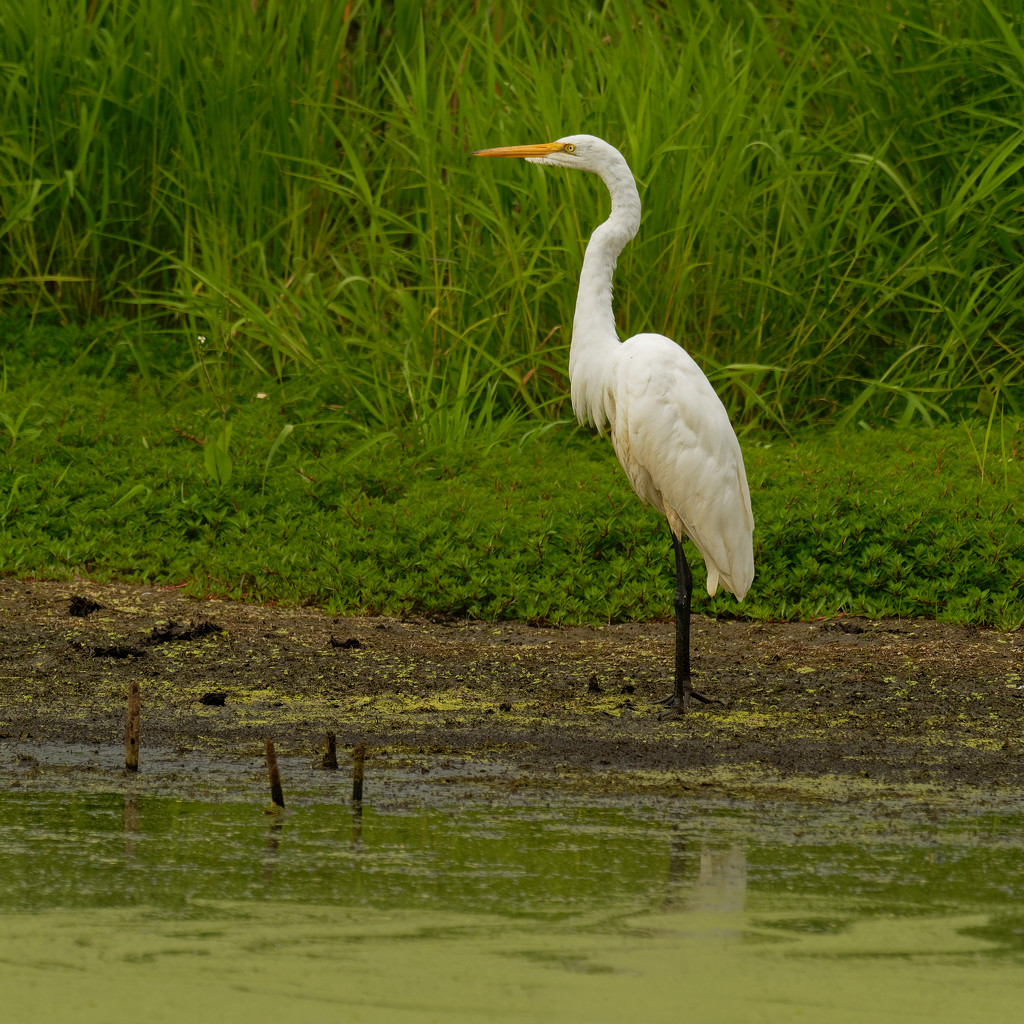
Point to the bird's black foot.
(676, 703)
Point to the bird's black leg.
(683, 690)
(684, 594)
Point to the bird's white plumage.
(674, 440)
(669, 428)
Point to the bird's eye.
(568, 148)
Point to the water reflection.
(131, 822)
(357, 825)
(276, 826)
(536, 912)
(720, 884)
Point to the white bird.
(669, 429)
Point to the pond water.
(133, 905)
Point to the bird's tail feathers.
(737, 584)
(731, 565)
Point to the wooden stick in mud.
(330, 759)
(132, 729)
(358, 759)
(275, 776)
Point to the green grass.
(281, 201)
(832, 195)
(112, 480)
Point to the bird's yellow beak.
(537, 149)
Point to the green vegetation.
(280, 200)
(537, 525)
(832, 193)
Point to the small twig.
(330, 758)
(275, 776)
(197, 440)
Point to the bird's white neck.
(594, 337)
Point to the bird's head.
(583, 152)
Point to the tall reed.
(832, 194)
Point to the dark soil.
(829, 707)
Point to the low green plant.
(537, 523)
(14, 424)
(217, 455)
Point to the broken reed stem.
(275, 776)
(330, 758)
(132, 728)
(358, 759)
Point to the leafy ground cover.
(114, 477)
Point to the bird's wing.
(674, 440)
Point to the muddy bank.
(830, 707)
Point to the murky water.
(140, 906)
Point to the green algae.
(431, 905)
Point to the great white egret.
(669, 429)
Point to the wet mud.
(825, 710)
